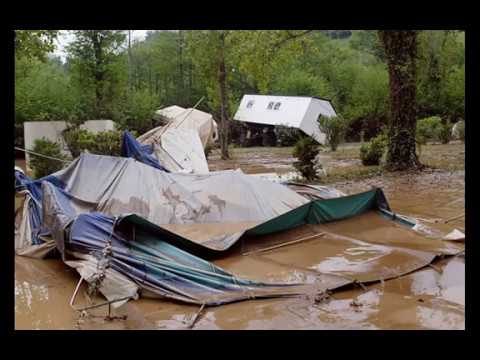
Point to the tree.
(32, 44)
(94, 52)
(42, 91)
(210, 51)
(334, 129)
(400, 53)
(219, 53)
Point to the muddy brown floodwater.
(430, 298)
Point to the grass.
(350, 173)
(449, 157)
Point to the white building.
(299, 112)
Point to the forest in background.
(106, 76)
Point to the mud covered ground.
(431, 298)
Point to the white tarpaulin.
(200, 207)
(184, 146)
(179, 145)
(177, 117)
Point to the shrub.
(287, 136)
(445, 132)
(372, 151)
(459, 130)
(42, 166)
(306, 150)
(334, 129)
(78, 140)
(429, 129)
(102, 143)
(108, 143)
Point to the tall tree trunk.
(400, 51)
(224, 123)
(129, 60)
(98, 72)
(180, 93)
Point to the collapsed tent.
(181, 118)
(180, 142)
(143, 153)
(150, 226)
(149, 261)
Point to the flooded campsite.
(431, 297)
(239, 180)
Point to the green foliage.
(372, 151)
(441, 74)
(102, 143)
(287, 136)
(136, 111)
(334, 128)
(445, 132)
(31, 44)
(367, 41)
(306, 150)
(429, 129)
(95, 58)
(103, 78)
(43, 166)
(42, 92)
(298, 82)
(459, 130)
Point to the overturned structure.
(296, 112)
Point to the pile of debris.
(144, 224)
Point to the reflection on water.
(359, 259)
(438, 319)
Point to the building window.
(250, 104)
(277, 106)
(270, 105)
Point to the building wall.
(52, 130)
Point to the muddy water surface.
(431, 298)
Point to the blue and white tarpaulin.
(149, 226)
(79, 215)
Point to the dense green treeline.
(106, 76)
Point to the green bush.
(108, 143)
(102, 143)
(42, 166)
(445, 132)
(287, 136)
(78, 140)
(306, 150)
(429, 129)
(334, 128)
(460, 130)
(372, 151)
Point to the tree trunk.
(98, 73)
(224, 125)
(129, 60)
(180, 92)
(400, 50)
